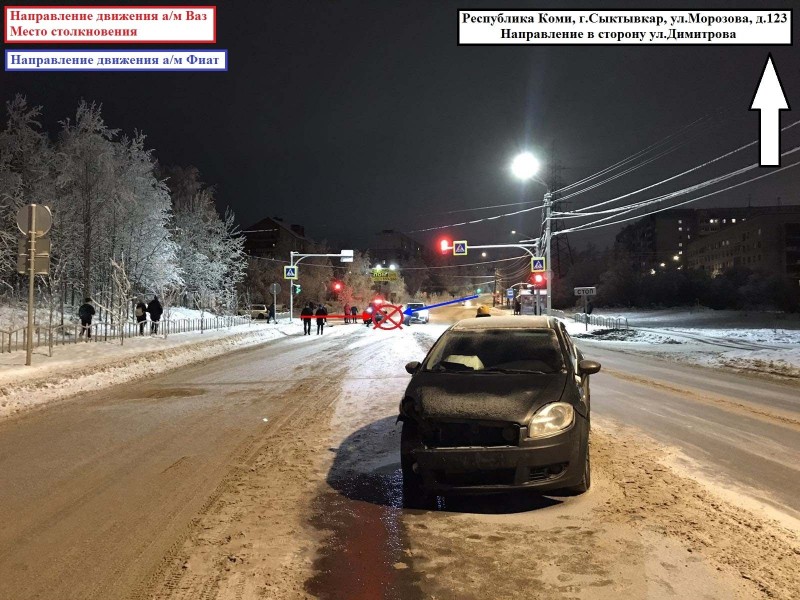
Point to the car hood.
(500, 397)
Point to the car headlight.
(551, 419)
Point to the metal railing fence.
(12, 340)
(607, 322)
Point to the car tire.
(260, 317)
(586, 480)
(414, 494)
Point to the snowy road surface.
(273, 472)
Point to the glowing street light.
(393, 267)
(525, 166)
(483, 254)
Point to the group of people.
(155, 309)
(350, 314)
(310, 311)
(86, 312)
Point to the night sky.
(351, 117)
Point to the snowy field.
(765, 351)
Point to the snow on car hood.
(509, 398)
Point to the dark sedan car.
(498, 404)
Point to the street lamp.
(524, 167)
(393, 267)
(483, 254)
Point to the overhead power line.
(632, 158)
(599, 223)
(576, 213)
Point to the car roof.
(515, 322)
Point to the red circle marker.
(388, 321)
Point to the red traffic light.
(337, 286)
(445, 246)
(538, 280)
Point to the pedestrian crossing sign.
(289, 272)
(537, 264)
(460, 248)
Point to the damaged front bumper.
(546, 464)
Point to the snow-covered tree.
(26, 174)
(210, 253)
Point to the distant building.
(765, 242)
(658, 239)
(271, 236)
(390, 246)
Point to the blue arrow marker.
(410, 311)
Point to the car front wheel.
(414, 494)
(586, 480)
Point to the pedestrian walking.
(271, 314)
(156, 310)
(346, 313)
(85, 314)
(305, 317)
(141, 316)
(517, 306)
(321, 314)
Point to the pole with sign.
(33, 221)
(586, 292)
(275, 288)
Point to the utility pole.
(548, 284)
(561, 251)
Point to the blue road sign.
(460, 248)
(289, 272)
(537, 264)
(510, 292)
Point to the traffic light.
(337, 286)
(539, 280)
(478, 291)
(445, 246)
(296, 288)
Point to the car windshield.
(497, 351)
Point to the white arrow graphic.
(769, 99)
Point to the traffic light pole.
(300, 256)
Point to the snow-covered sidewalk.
(84, 366)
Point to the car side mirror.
(588, 367)
(412, 367)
